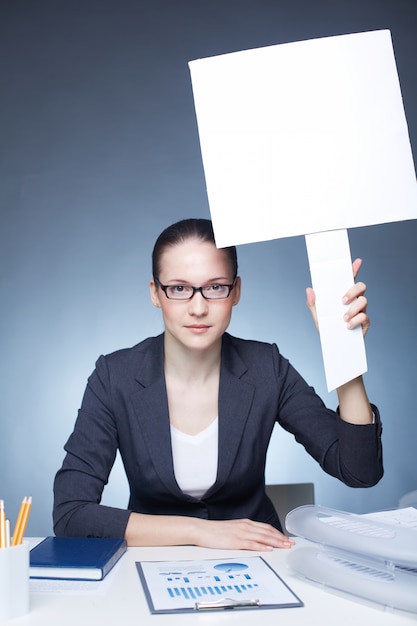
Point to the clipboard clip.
(227, 604)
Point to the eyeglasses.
(186, 292)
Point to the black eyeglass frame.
(195, 289)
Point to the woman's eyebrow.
(181, 281)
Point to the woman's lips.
(198, 328)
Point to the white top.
(195, 459)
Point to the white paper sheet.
(343, 349)
(406, 518)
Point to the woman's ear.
(236, 291)
(154, 293)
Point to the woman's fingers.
(356, 314)
(356, 266)
(311, 305)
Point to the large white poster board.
(304, 138)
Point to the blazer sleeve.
(90, 455)
(350, 452)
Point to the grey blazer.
(125, 408)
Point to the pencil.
(3, 542)
(7, 533)
(22, 520)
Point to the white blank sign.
(304, 137)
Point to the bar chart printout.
(181, 586)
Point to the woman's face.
(197, 323)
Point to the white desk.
(123, 600)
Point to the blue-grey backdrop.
(99, 152)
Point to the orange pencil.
(22, 520)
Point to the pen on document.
(22, 520)
(227, 603)
(3, 540)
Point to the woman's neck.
(191, 365)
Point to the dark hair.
(183, 230)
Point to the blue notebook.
(75, 558)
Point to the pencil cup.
(14, 581)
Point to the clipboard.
(208, 585)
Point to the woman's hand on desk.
(241, 534)
(172, 530)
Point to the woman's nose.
(198, 304)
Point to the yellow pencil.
(3, 542)
(22, 520)
(19, 521)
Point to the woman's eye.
(214, 287)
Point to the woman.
(192, 410)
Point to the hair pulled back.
(192, 228)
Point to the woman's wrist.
(354, 406)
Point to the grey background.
(99, 152)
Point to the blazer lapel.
(151, 407)
(235, 400)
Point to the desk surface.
(122, 600)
